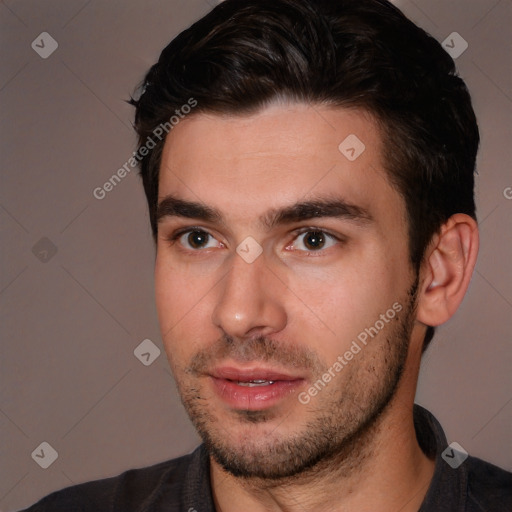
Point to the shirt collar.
(447, 488)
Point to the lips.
(251, 374)
(253, 388)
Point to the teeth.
(253, 383)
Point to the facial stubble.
(342, 418)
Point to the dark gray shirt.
(183, 484)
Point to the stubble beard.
(344, 419)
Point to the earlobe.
(447, 269)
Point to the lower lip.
(257, 397)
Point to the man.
(308, 166)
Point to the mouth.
(254, 374)
(253, 388)
(254, 383)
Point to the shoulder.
(133, 487)
(489, 487)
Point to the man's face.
(278, 257)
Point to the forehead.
(245, 165)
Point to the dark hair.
(245, 54)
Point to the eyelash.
(311, 229)
(174, 237)
(338, 239)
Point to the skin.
(298, 307)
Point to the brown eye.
(198, 239)
(314, 240)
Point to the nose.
(251, 300)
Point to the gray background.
(71, 320)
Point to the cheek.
(182, 300)
(336, 304)
(179, 288)
(169, 294)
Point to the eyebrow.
(171, 206)
(316, 208)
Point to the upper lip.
(248, 374)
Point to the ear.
(447, 268)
